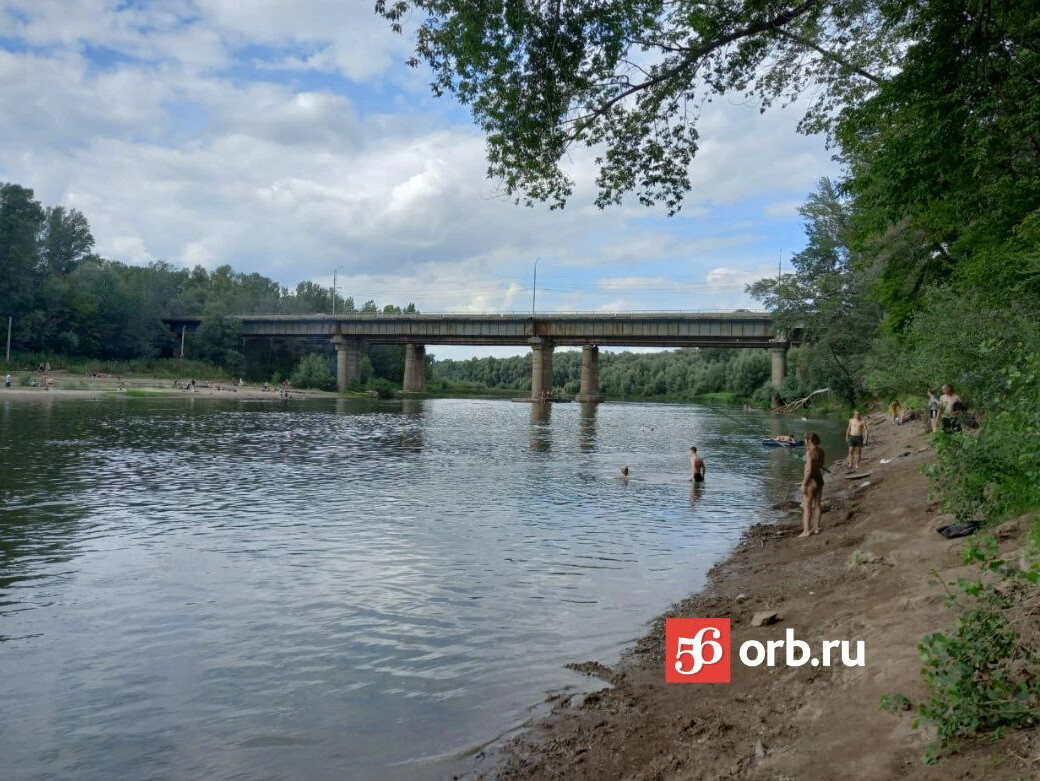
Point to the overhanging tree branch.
(690, 61)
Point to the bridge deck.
(723, 329)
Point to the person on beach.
(933, 410)
(952, 409)
(812, 485)
(7, 381)
(697, 467)
(856, 434)
(893, 411)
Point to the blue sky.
(291, 139)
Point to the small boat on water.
(774, 442)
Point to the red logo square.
(696, 650)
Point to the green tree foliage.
(66, 240)
(944, 160)
(21, 219)
(313, 372)
(827, 297)
(629, 77)
(217, 340)
(677, 374)
(67, 301)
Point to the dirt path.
(866, 577)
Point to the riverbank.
(870, 575)
(66, 385)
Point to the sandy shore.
(77, 386)
(867, 576)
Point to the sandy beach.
(870, 575)
(78, 386)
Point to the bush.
(983, 676)
(383, 388)
(312, 372)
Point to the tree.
(65, 240)
(21, 218)
(313, 372)
(944, 160)
(629, 77)
(827, 297)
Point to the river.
(339, 589)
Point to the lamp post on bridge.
(334, 289)
(534, 284)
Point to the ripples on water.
(337, 589)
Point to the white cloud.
(783, 209)
(723, 277)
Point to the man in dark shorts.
(856, 434)
(696, 466)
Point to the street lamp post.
(534, 285)
(334, 289)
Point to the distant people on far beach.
(7, 381)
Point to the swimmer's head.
(624, 471)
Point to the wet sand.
(868, 576)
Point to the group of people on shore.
(945, 410)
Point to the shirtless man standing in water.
(696, 466)
(856, 433)
(812, 486)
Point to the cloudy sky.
(290, 138)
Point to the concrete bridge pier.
(541, 368)
(414, 368)
(778, 356)
(589, 391)
(348, 361)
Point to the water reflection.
(587, 426)
(696, 492)
(541, 433)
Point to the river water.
(193, 588)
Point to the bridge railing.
(504, 314)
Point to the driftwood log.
(802, 402)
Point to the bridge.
(350, 332)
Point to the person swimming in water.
(697, 467)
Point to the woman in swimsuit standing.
(812, 486)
